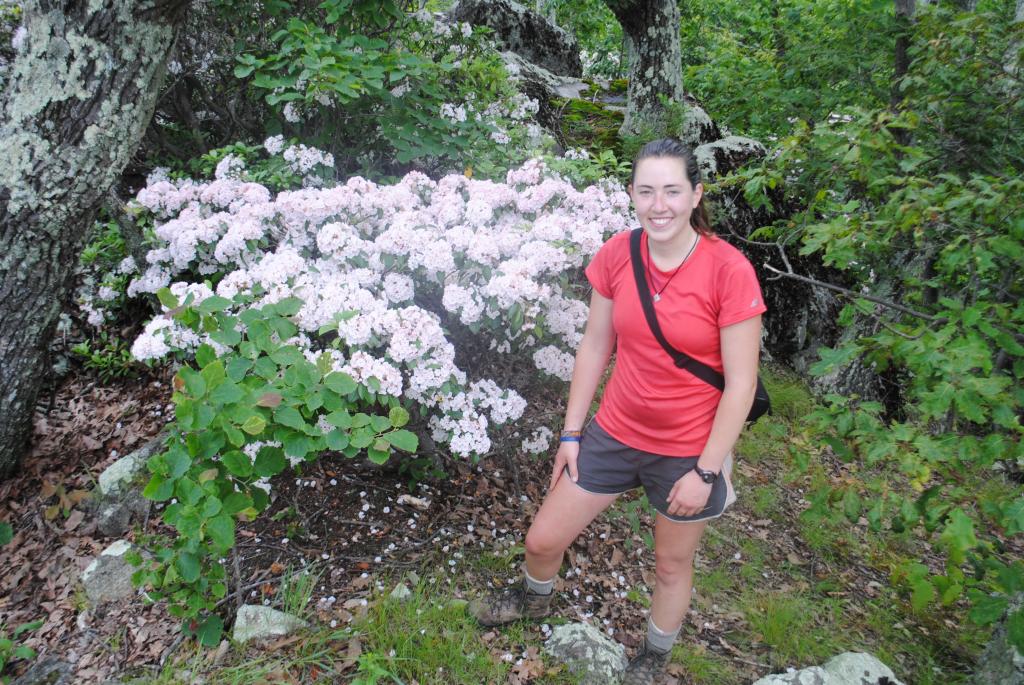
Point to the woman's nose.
(659, 201)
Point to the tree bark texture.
(651, 31)
(81, 91)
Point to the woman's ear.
(698, 193)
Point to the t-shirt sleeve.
(739, 293)
(599, 270)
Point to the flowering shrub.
(322, 318)
(367, 262)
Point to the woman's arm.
(591, 361)
(741, 344)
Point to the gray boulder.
(256, 622)
(540, 84)
(109, 577)
(119, 497)
(524, 32)
(726, 155)
(848, 668)
(47, 671)
(1001, 662)
(806, 676)
(587, 650)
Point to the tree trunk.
(651, 32)
(904, 24)
(81, 92)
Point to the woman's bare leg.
(566, 511)
(675, 544)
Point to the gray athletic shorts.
(607, 467)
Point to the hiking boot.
(646, 666)
(510, 605)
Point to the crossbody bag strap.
(681, 359)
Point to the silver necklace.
(657, 296)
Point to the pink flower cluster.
(495, 256)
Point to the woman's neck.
(668, 256)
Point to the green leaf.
(270, 461)
(177, 461)
(403, 440)
(194, 383)
(236, 502)
(238, 463)
(289, 416)
(7, 533)
(237, 367)
(214, 374)
(959, 535)
(922, 595)
(227, 392)
(212, 304)
(167, 298)
(159, 489)
(361, 438)
(341, 419)
(221, 529)
(851, 505)
(188, 567)
(210, 630)
(340, 382)
(337, 439)
(398, 417)
(289, 306)
(378, 456)
(297, 445)
(205, 355)
(254, 425)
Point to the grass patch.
(704, 667)
(796, 629)
(427, 641)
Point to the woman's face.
(664, 199)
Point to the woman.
(658, 426)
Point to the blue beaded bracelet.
(569, 438)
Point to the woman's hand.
(689, 495)
(565, 457)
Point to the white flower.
(273, 144)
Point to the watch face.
(707, 477)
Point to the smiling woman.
(658, 426)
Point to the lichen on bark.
(81, 92)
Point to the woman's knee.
(673, 567)
(543, 543)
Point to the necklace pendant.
(657, 297)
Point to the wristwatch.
(708, 477)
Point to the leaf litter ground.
(360, 527)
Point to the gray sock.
(657, 639)
(539, 587)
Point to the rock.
(807, 676)
(127, 471)
(114, 519)
(1001, 662)
(859, 668)
(109, 577)
(401, 592)
(47, 671)
(255, 622)
(119, 491)
(726, 155)
(587, 650)
(849, 668)
(540, 84)
(524, 32)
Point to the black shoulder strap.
(681, 359)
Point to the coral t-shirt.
(649, 403)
